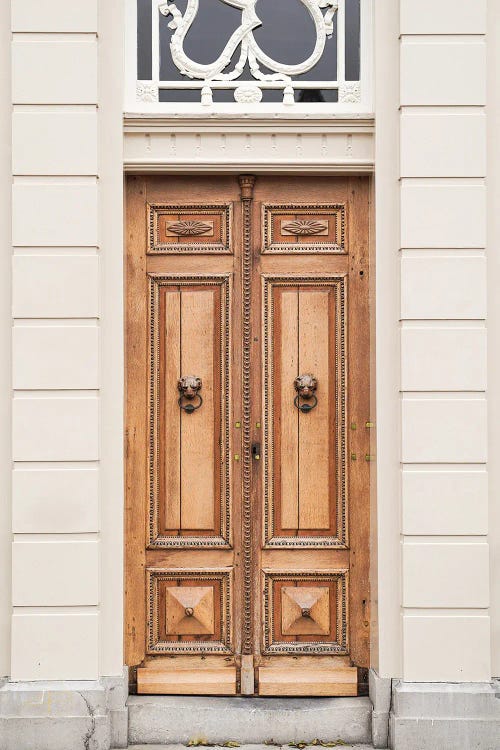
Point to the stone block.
(380, 729)
(46, 715)
(380, 691)
(179, 719)
(380, 695)
(445, 716)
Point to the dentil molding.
(281, 142)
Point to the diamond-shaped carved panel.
(305, 610)
(189, 610)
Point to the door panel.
(305, 465)
(189, 450)
(247, 413)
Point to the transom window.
(250, 52)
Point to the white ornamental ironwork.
(216, 75)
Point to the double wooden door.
(248, 432)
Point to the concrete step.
(244, 747)
(169, 720)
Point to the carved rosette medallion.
(301, 229)
(189, 229)
(307, 227)
(147, 92)
(350, 92)
(248, 94)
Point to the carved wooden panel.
(305, 612)
(187, 229)
(189, 611)
(303, 229)
(189, 411)
(305, 487)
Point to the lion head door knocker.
(306, 386)
(189, 387)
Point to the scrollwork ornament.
(243, 37)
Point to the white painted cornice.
(288, 121)
(280, 143)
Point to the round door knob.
(189, 611)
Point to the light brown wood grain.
(172, 442)
(307, 453)
(135, 433)
(247, 675)
(287, 415)
(278, 681)
(305, 610)
(187, 681)
(197, 429)
(315, 426)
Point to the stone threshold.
(245, 747)
(198, 721)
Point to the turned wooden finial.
(247, 182)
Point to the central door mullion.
(246, 186)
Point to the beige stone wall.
(445, 566)
(434, 576)
(67, 79)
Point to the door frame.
(198, 144)
(235, 174)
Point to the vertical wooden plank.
(314, 490)
(197, 429)
(359, 346)
(171, 441)
(136, 411)
(288, 425)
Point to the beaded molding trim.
(339, 646)
(223, 539)
(195, 243)
(341, 539)
(335, 212)
(154, 643)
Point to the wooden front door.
(247, 435)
